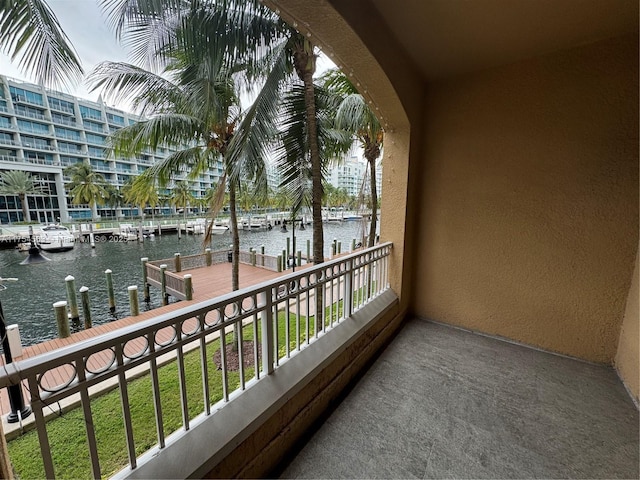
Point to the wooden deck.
(208, 282)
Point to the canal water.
(29, 301)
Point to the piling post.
(92, 239)
(207, 253)
(253, 257)
(177, 263)
(133, 300)
(353, 245)
(299, 255)
(308, 251)
(110, 292)
(86, 306)
(60, 309)
(279, 263)
(140, 233)
(179, 232)
(188, 286)
(147, 294)
(339, 248)
(163, 284)
(288, 246)
(285, 257)
(72, 299)
(333, 249)
(262, 253)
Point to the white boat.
(352, 218)
(255, 223)
(195, 227)
(55, 238)
(126, 233)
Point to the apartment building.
(43, 131)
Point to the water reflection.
(29, 301)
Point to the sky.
(86, 26)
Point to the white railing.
(275, 321)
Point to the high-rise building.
(43, 131)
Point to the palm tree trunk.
(374, 203)
(235, 237)
(305, 66)
(235, 254)
(25, 208)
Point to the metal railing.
(274, 320)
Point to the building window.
(90, 113)
(60, 105)
(26, 96)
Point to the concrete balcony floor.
(444, 403)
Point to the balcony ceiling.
(450, 37)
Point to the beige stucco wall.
(628, 357)
(528, 220)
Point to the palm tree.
(181, 196)
(20, 184)
(86, 186)
(113, 196)
(142, 191)
(355, 116)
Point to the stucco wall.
(528, 221)
(628, 357)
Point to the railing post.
(145, 283)
(266, 321)
(177, 262)
(62, 322)
(163, 284)
(133, 300)
(207, 253)
(188, 286)
(348, 290)
(86, 306)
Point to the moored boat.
(55, 238)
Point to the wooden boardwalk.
(208, 282)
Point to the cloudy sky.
(86, 26)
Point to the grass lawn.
(67, 434)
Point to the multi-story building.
(43, 131)
(353, 176)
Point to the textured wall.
(628, 357)
(528, 223)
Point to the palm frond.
(30, 32)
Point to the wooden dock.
(208, 282)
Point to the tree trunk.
(374, 203)
(25, 207)
(235, 237)
(304, 61)
(235, 255)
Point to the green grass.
(67, 434)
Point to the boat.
(55, 238)
(219, 229)
(352, 218)
(195, 227)
(256, 223)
